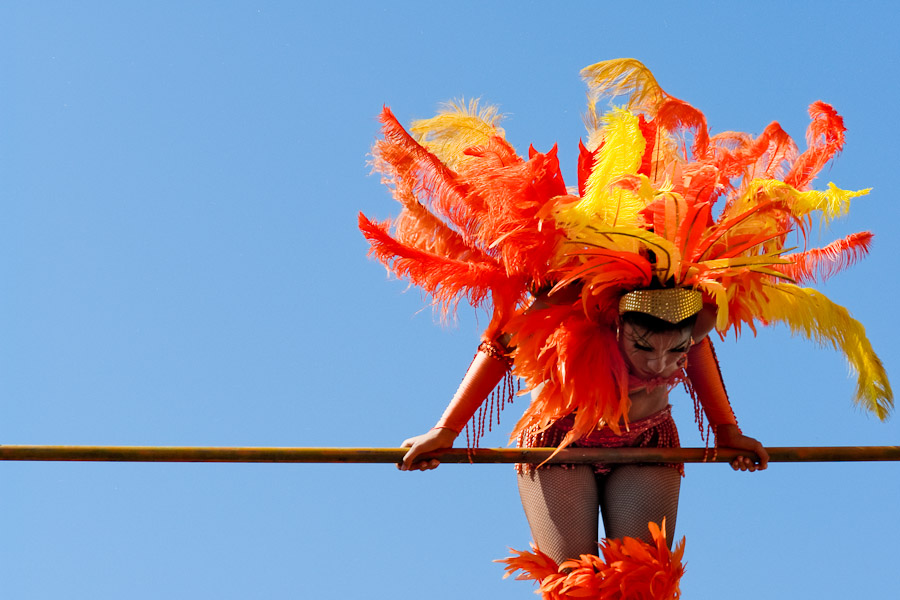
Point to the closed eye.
(643, 348)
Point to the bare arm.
(706, 379)
(486, 370)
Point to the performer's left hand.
(729, 436)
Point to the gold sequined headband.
(669, 304)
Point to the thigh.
(633, 495)
(561, 505)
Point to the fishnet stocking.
(633, 495)
(561, 505)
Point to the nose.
(658, 364)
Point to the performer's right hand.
(435, 439)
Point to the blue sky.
(180, 265)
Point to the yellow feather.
(755, 263)
(720, 295)
(811, 313)
(619, 77)
(624, 239)
(831, 203)
(457, 127)
(620, 155)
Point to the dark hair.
(655, 324)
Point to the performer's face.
(654, 354)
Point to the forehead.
(665, 339)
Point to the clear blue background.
(180, 265)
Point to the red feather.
(825, 138)
(819, 264)
(399, 156)
(447, 280)
(676, 115)
(585, 166)
(649, 131)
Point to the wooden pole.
(454, 455)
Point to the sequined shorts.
(655, 431)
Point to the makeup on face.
(654, 354)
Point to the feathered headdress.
(483, 224)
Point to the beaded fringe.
(507, 389)
(710, 429)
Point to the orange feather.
(626, 569)
(819, 264)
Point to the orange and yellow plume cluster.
(659, 202)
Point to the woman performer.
(564, 525)
(602, 300)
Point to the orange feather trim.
(557, 350)
(628, 569)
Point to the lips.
(653, 375)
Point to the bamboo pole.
(453, 455)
